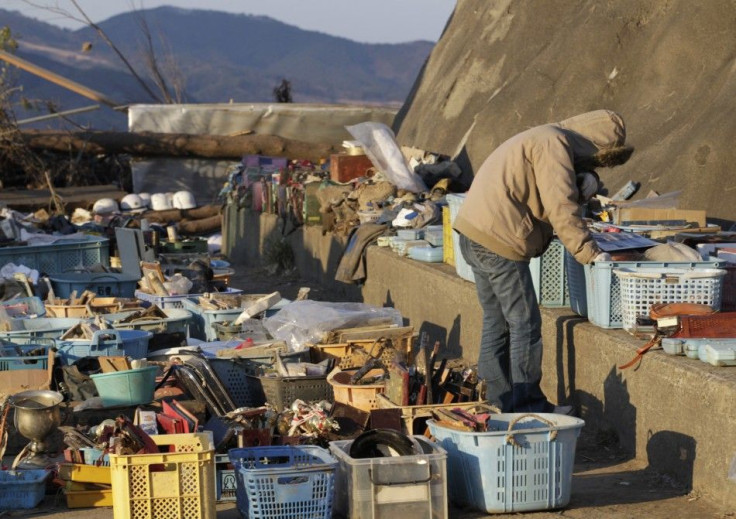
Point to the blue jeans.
(510, 359)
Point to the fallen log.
(203, 226)
(151, 144)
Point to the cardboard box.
(624, 215)
(344, 168)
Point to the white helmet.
(160, 202)
(132, 202)
(105, 206)
(146, 199)
(184, 200)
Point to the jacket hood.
(594, 131)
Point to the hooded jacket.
(525, 190)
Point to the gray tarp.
(305, 122)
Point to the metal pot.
(37, 415)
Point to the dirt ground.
(606, 482)
(605, 485)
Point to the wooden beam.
(59, 80)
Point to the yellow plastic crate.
(183, 489)
(89, 498)
(448, 253)
(81, 473)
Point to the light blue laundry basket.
(522, 464)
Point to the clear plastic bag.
(178, 285)
(303, 322)
(379, 144)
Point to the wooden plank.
(113, 364)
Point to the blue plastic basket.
(202, 320)
(125, 388)
(24, 308)
(284, 482)
(524, 463)
(106, 284)
(176, 320)
(549, 276)
(62, 256)
(92, 456)
(42, 327)
(130, 343)
(14, 355)
(22, 489)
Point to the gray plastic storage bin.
(393, 487)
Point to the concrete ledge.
(674, 413)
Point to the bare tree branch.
(115, 49)
(150, 57)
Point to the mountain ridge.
(221, 57)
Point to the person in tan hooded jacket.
(530, 187)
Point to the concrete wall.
(674, 413)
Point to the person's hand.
(603, 256)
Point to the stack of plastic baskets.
(523, 463)
(595, 292)
(178, 483)
(284, 482)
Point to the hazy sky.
(372, 21)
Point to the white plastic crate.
(454, 201)
(165, 302)
(640, 289)
(391, 487)
(522, 464)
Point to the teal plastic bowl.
(125, 388)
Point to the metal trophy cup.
(37, 415)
